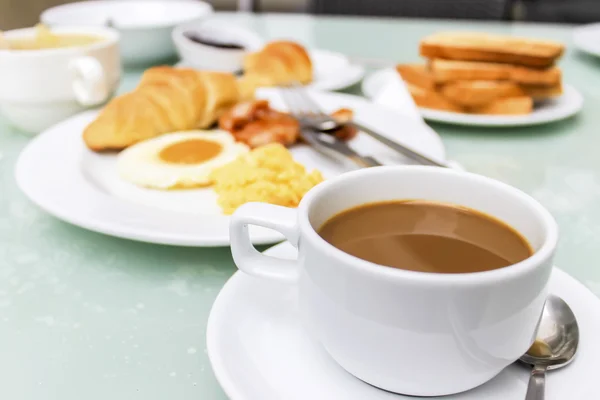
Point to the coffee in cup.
(45, 39)
(426, 236)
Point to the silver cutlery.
(313, 117)
(330, 145)
(555, 345)
(322, 142)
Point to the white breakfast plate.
(259, 350)
(567, 105)
(144, 25)
(587, 38)
(332, 70)
(58, 173)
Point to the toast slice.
(479, 93)
(508, 106)
(474, 46)
(474, 93)
(542, 92)
(449, 70)
(431, 99)
(479, 97)
(418, 75)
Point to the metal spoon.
(554, 347)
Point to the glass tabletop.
(88, 315)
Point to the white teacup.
(414, 333)
(39, 88)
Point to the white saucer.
(58, 173)
(258, 349)
(567, 105)
(587, 38)
(332, 70)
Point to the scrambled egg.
(267, 174)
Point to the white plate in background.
(259, 350)
(332, 70)
(587, 38)
(565, 106)
(58, 173)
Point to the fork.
(313, 117)
(320, 141)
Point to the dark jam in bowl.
(213, 42)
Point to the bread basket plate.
(332, 70)
(59, 174)
(565, 106)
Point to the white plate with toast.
(587, 39)
(550, 110)
(66, 179)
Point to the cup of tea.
(418, 280)
(49, 75)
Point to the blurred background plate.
(587, 39)
(332, 71)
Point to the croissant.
(278, 63)
(166, 100)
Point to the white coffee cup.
(39, 88)
(414, 333)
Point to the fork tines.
(299, 102)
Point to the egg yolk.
(193, 151)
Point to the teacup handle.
(250, 260)
(89, 81)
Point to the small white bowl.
(145, 26)
(201, 56)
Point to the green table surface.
(88, 316)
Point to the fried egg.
(179, 160)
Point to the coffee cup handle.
(250, 260)
(88, 81)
